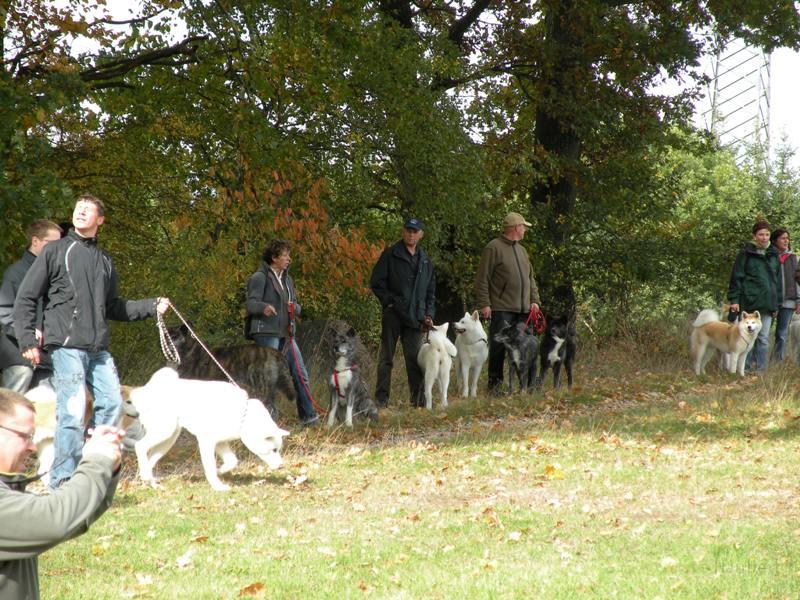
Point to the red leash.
(539, 322)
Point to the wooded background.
(210, 127)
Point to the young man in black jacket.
(404, 281)
(17, 372)
(80, 289)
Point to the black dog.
(521, 345)
(260, 371)
(558, 347)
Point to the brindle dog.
(260, 371)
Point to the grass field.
(643, 481)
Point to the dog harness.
(336, 379)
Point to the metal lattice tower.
(739, 93)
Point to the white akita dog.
(435, 358)
(472, 345)
(735, 339)
(215, 412)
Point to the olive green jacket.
(504, 280)
(32, 524)
(754, 283)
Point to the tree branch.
(117, 68)
(457, 30)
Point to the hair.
(9, 400)
(101, 208)
(761, 224)
(274, 249)
(776, 234)
(39, 229)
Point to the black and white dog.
(349, 395)
(521, 345)
(558, 348)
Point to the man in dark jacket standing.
(80, 289)
(405, 284)
(505, 288)
(17, 372)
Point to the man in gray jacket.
(18, 372)
(33, 524)
(505, 288)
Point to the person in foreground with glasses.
(32, 524)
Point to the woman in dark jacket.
(788, 291)
(754, 286)
(272, 305)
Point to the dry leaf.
(252, 590)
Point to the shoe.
(312, 422)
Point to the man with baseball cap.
(404, 282)
(505, 288)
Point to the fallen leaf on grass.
(552, 472)
(252, 590)
(200, 539)
(514, 536)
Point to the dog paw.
(220, 487)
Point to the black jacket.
(12, 279)
(411, 295)
(80, 289)
(263, 288)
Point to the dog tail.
(706, 316)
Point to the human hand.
(39, 336)
(33, 355)
(162, 305)
(734, 308)
(269, 310)
(428, 321)
(535, 307)
(486, 312)
(105, 440)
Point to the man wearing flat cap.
(505, 289)
(405, 284)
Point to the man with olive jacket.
(405, 284)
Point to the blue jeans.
(72, 369)
(305, 409)
(757, 359)
(782, 333)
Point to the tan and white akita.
(735, 339)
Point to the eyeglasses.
(28, 437)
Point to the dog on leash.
(558, 348)
(435, 357)
(472, 346)
(261, 371)
(43, 397)
(521, 346)
(736, 339)
(349, 393)
(215, 412)
(794, 337)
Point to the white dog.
(215, 412)
(43, 397)
(472, 345)
(435, 358)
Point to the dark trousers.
(497, 352)
(393, 328)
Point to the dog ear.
(475, 315)
(351, 332)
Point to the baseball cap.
(513, 219)
(413, 223)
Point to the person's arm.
(33, 524)
(7, 294)
(485, 267)
(254, 303)
(430, 297)
(34, 285)
(379, 280)
(735, 283)
(535, 301)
